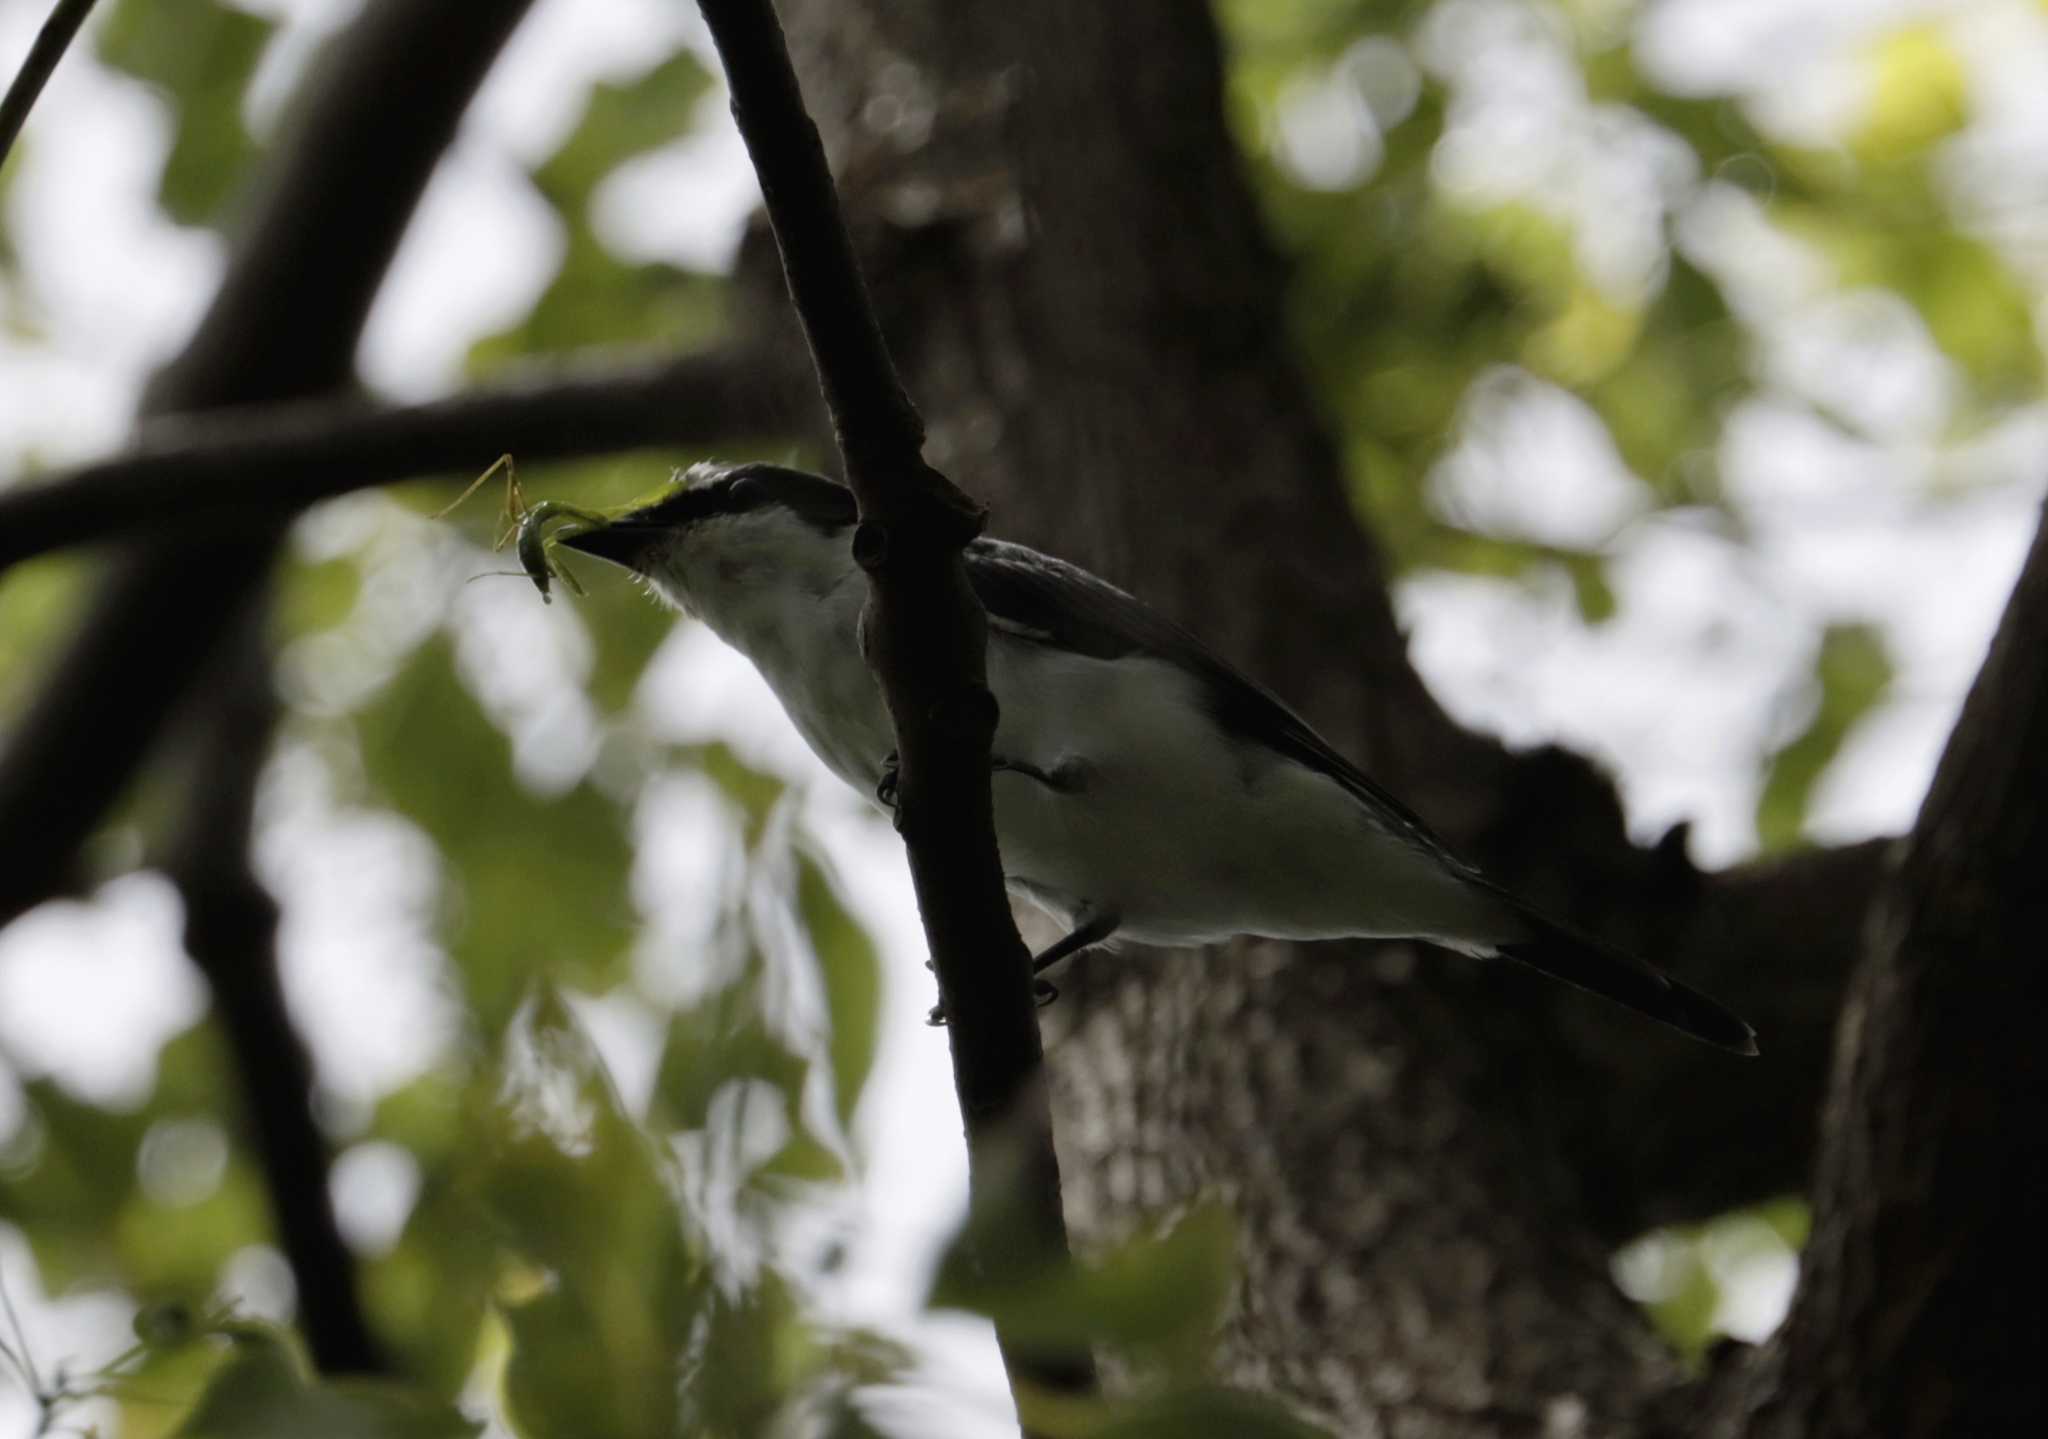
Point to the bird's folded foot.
(886, 789)
(1042, 994)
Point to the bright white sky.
(1701, 673)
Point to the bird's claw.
(1043, 992)
(887, 789)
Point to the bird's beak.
(622, 542)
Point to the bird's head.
(723, 535)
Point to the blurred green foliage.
(582, 1260)
(1851, 676)
(198, 56)
(1683, 1275)
(596, 297)
(430, 752)
(1409, 283)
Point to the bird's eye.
(744, 493)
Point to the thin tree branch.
(50, 44)
(228, 470)
(231, 934)
(927, 639)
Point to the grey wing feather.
(1043, 600)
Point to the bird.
(1145, 791)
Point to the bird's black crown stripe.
(707, 491)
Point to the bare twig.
(224, 471)
(927, 643)
(51, 42)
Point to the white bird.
(1144, 790)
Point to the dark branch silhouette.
(50, 44)
(231, 934)
(926, 637)
(284, 323)
(319, 234)
(1911, 1318)
(228, 470)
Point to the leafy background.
(1687, 358)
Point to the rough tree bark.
(1920, 1314)
(1432, 1160)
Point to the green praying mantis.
(529, 524)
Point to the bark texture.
(1920, 1315)
(1432, 1161)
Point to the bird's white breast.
(1186, 833)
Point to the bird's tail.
(1552, 949)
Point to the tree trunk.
(1920, 1315)
(1431, 1161)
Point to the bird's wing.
(1041, 600)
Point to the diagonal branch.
(285, 322)
(231, 934)
(50, 44)
(927, 644)
(224, 471)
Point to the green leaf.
(751, 1354)
(180, 1249)
(431, 1294)
(564, 1382)
(1920, 94)
(621, 121)
(540, 880)
(1977, 309)
(1161, 1295)
(1852, 673)
(1177, 1412)
(1685, 1316)
(265, 1390)
(200, 55)
(1790, 1217)
(38, 603)
(610, 1289)
(1590, 588)
(75, 1172)
(1206, 1409)
(724, 1039)
(314, 597)
(756, 792)
(852, 975)
(596, 298)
